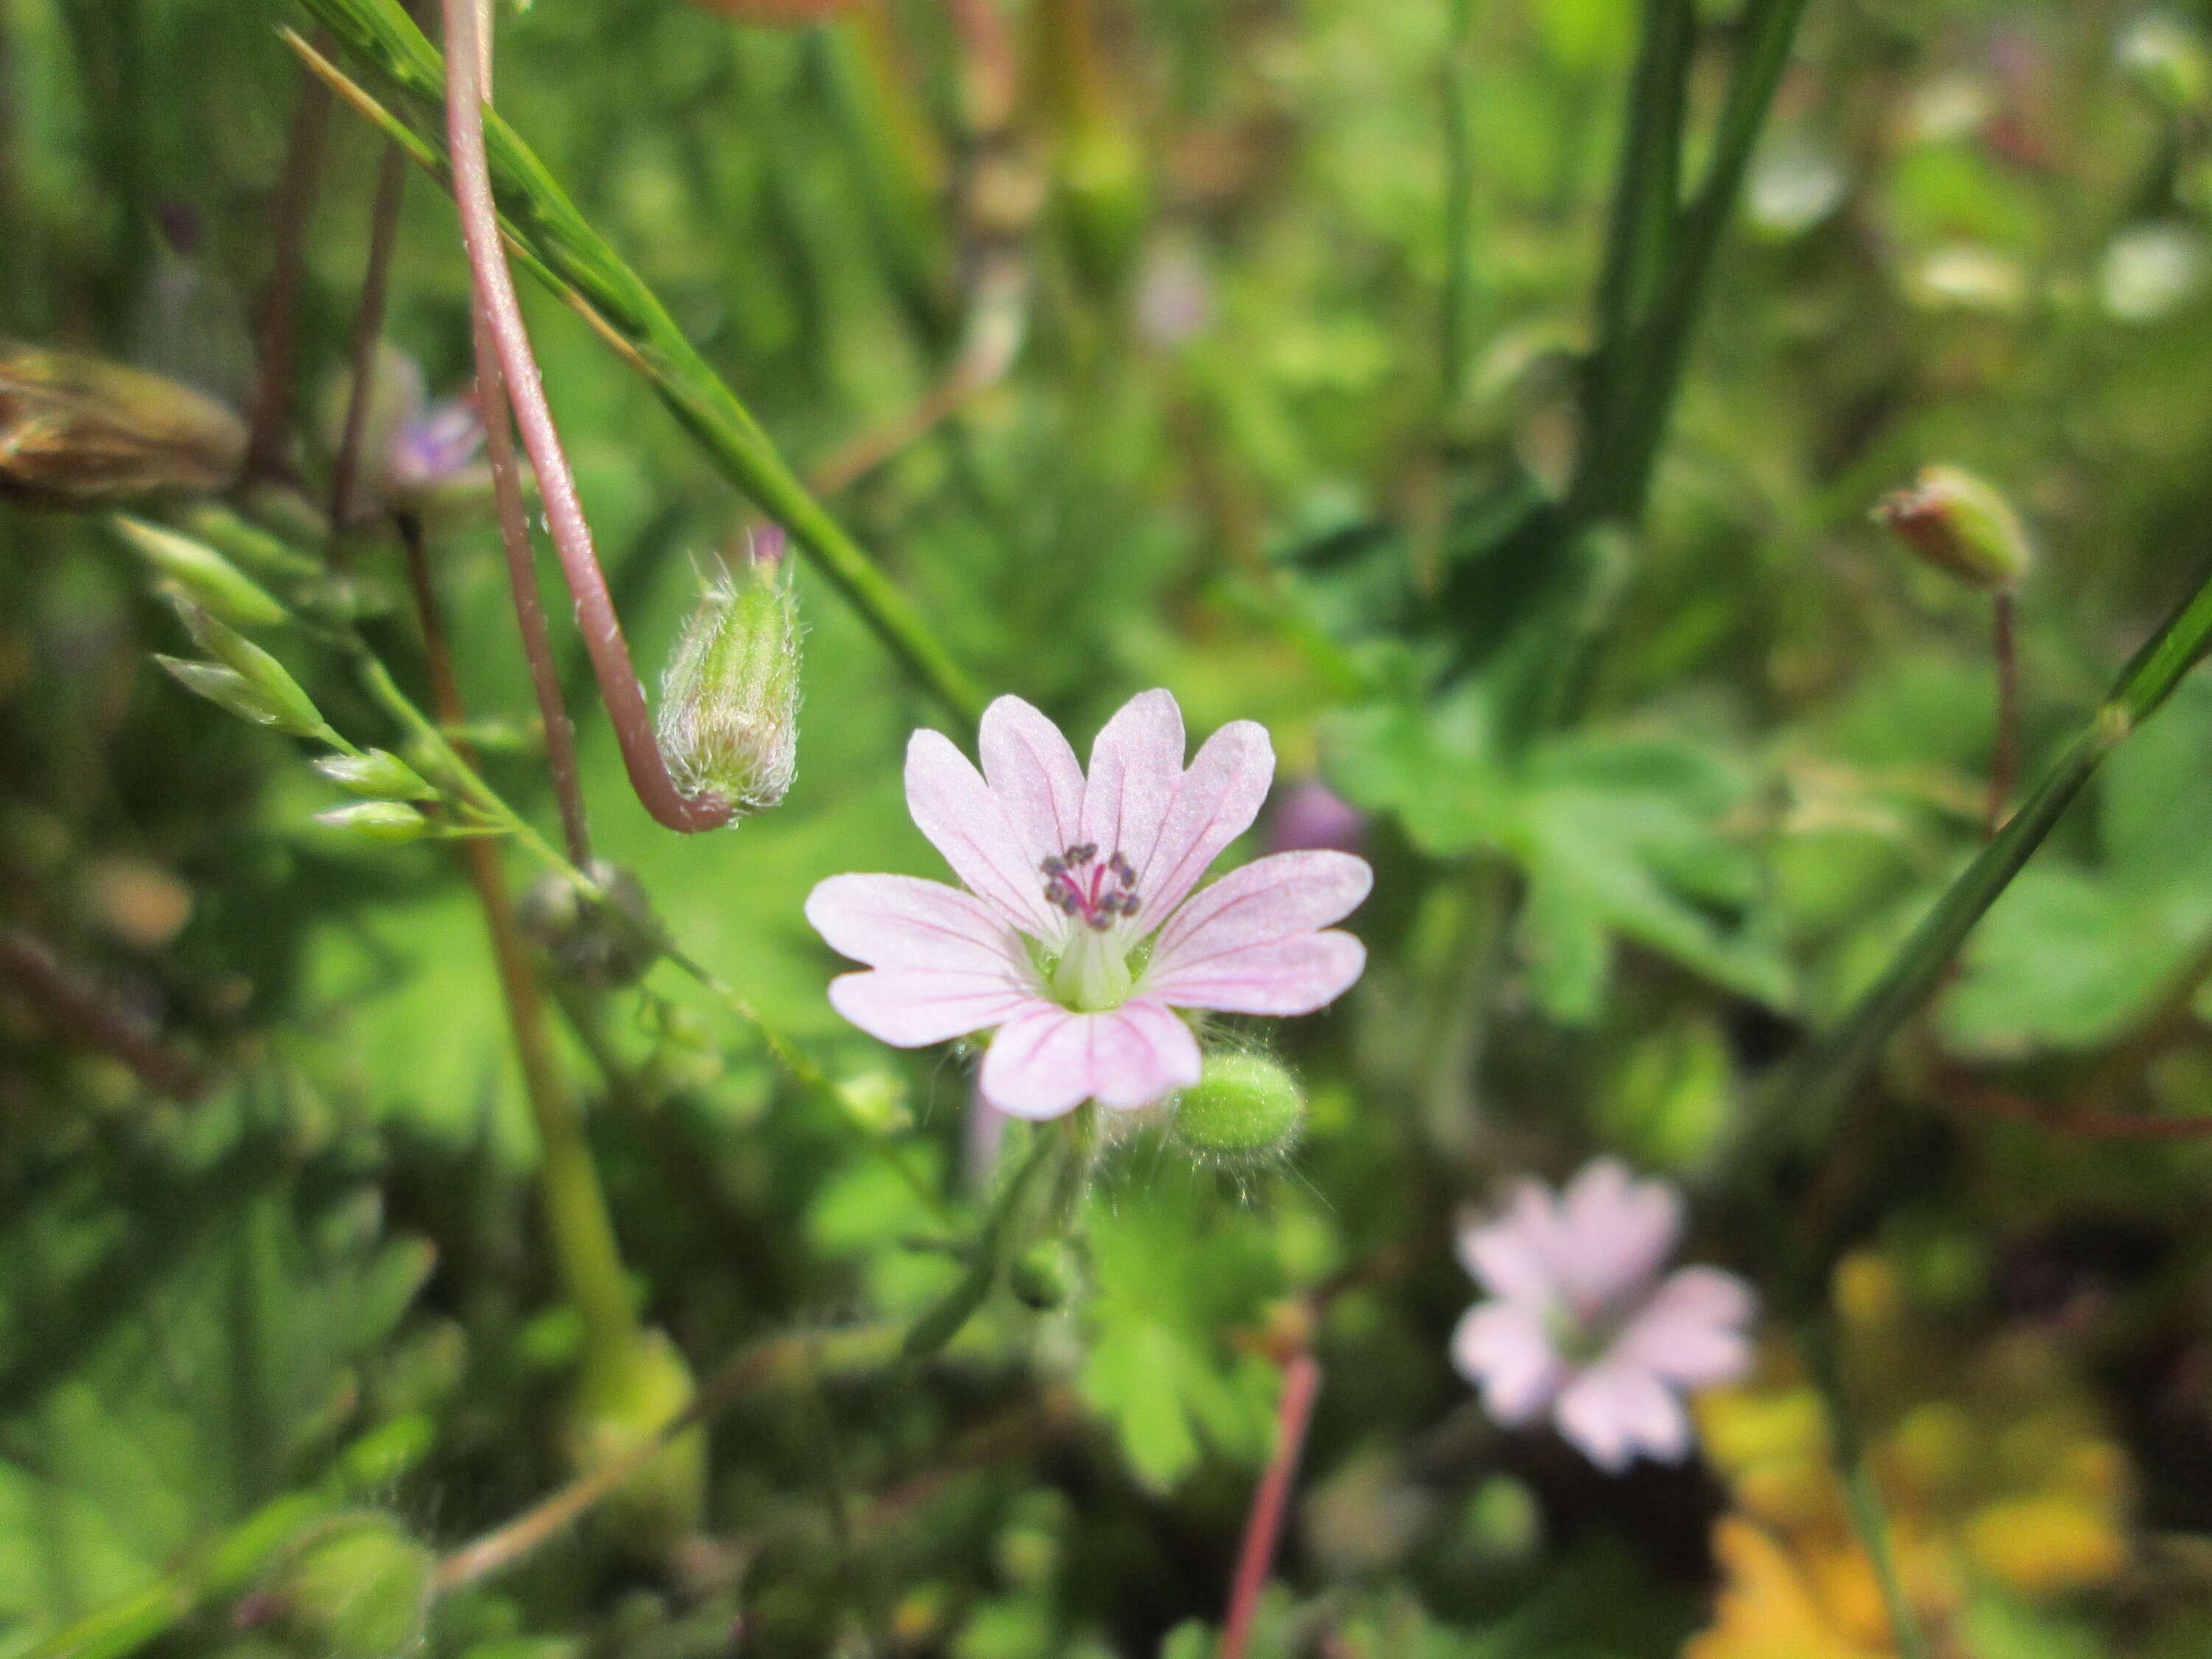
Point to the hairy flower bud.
(359, 1588)
(729, 712)
(1244, 1109)
(79, 432)
(1963, 525)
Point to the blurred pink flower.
(1078, 934)
(1311, 814)
(1583, 1325)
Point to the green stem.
(942, 1319)
(1457, 320)
(1616, 477)
(1459, 1019)
(1862, 1496)
(1646, 200)
(570, 256)
(1815, 1092)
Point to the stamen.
(1097, 904)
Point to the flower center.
(1092, 973)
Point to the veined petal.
(1215, 802)
(904, 921)
(1136, 766)
(1035, 775)
(1507, 1255)
(955, 809)
(909, 1007)
(1503, 1349)
(1048, 1060)
(1256, 904)
(1285, 976)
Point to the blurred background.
(1237, 346)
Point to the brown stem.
(529, 603)
(72, 1004)
(582, 1234)
(368, 330)
(1264, 1525)
(2003, 762)
(2089, 1122)
(493, 285)
(280, 305)
(778, 1358)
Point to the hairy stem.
(573, 260)
(2004, 760)
(74, 1005)
(501, 315)
(1862, 1496)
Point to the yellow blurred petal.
(2044, 1546)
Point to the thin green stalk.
(577, 263)
(1623, 477)
(1814, 1093)
(1862, 1495)
(1646, 200)
(1455, 322)
(943, 1319)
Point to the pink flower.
(1581, 1325)
(1079, 933)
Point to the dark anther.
(1054, 866)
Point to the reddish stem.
(74, 1005)
(280, 304)
(2089, 1122)
(1264, 1525)
(368, 328)
(2003, 762)
(572, 537)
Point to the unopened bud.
(1043, 1276)
(244, 679)
(360, 1589)
(729, 711)
(601, 944)
(201, 575)
(79, 432)
(378, 774)
(624, 1401)
(388, 821)
(1245, 1110)
(1962, 525)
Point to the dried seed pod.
(79, 432)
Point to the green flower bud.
(876, 1102)
(1961, 525)
(385, 821)
(623, 1400)
(359, 1588)
(729, 713)
(1245, 1110)
(603, 945)
(378, 774)
(201, 575)
(232, 691)
(287, 708)
(1043, 1276)
(79, 432)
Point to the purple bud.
(1313, 818)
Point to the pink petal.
(1288, 976)
(955, 808)
(1136, 766)
(1502, 1348)
(1214, 804)
(1615, 1232)
(1268, 899)
(909, 1007)
(1692, 1332)
(1508, 1256)
(904, 922)
(1034, 774)
(1613, 1411)
(1048, 1060)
